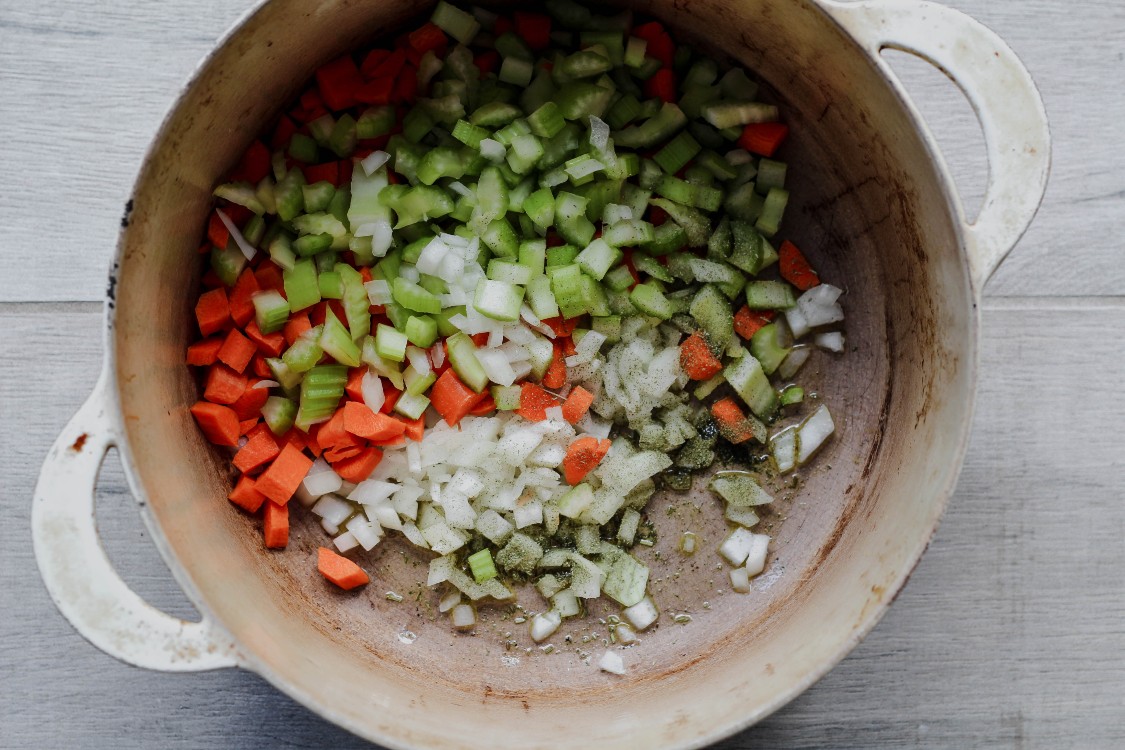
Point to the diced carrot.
(372, 60)
(328, 172)
(219, 423)
(259, 450)
(275, 528)
(662, 85)
(337, 82)
(296, 325)
(205, 352)
(295, 437)
(568, 347)
(269, 344)
(254, 164)
(555, 377)
(577, 404)
(311, 441)
(795, 268)
(237, 214)
(582, 456)
(415, 428)
(763, 137)
(269, 277)
(211, 279)
(480, 339)
(561, 326)
(354, 388)
(697, 360)
(453, 399)
(245, 496)
(660, 45)
(242, 298)
(391, 442)
(249, 404)
(426, 38)
(502, 25)
(332, 432)
(733, 424)
(344, 451)
(534, 29)
(360, 467)
(377, 91)
(345, 170)
(747, 322)
(340, 570)
(223, 385)
(388, 67)
(406, 85)
(236, 351)
(487, 61)
(362, 422)
(246, 425)
(282, 132)
(259, 367)
(217, 231)
(534, 402)
(212, 311)
(486, 406)
(284, 475)
(390, 396)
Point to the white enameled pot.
(872, 205)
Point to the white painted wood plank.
(1011, 633)
(86, 85)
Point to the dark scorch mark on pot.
(128, 211)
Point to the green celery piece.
(566, 285)
(271, 310)
(579, 99)
(509, 271)
(546, 121)
(650, 266)
(337, 342)
(619, 278)
(750, 251)
(481, 566)
(414, 297)
(421, 330)
(444, 327)
(769, 295)
(303, 148)
(390, 344)
(662, 126)
(540, 207)
(598, 258)
(342, 141)
(498, 300)
(501, 238)
(441, 162)
(749, 381)
(301, 288)
(696, 225)
(308, 245)
(793, 394)
(286, 378)
(720, 243)
(305, 352)
(712, 311)
(767, 349)
(772, 211)
(331, 287)
(357, 307)
(227, 263)
(541, 299)
(494, 115)
(459, 24)
(463, 360)
(667, 239)
(561, 255)
(375, 121)
(533, 255)
(651, 301)
(242, 193)
(278, 414)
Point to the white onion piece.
(384, 515)
(738, 157)
(246, 248)
(798, 325)
(378, 292)
(492, 150)
(740, 580)
(818, 306)
(366, 533)
(599, 134)
(464, 617)
(588, 347)
(266, 384)
(832, 341)
(372, 491)
(611, 662)
(594, 427)
(521, 369)
(330, 528)
(429, 260)
(410, 273)
(371, 386)
(460, 189)
(736, 547)
(380, 233)
(625, 635)
(615, 212)
(496, 366)
(437, 355)
(812, 434)
(528, 514)
(544, 625)
(642, 614)
(793, 361)
(374, 161)
(756, 557)
(515, 352)
(449, 601)
(419, 359)
(322, 482)
(783, 446)
(346, 541)
(333, 509)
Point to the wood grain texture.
(86, 87)
(1010, 633)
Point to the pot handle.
(1001, 92)
(80, 578)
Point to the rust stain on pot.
(81, 441)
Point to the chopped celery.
(749, 381)
(337, 342)
(301, 288)
(597, 259)
(278, 414)
(769, 295)
(772, 211)
(390, 344)
(411, 405)
(271, 311)
(650, 300)
(498, 300)
(413, 297)
(767, 349)
(541, 299)
(463, 360)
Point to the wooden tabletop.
(1011, 632)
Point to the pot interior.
(869, 210)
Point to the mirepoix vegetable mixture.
(489, 288)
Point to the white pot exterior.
(872, 205)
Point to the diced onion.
(371, 386)
(247, 249)
(543, 626)
(812, 434)
(832, 341)
(374, 161)
(265, 384)
(378, 292)
(332, 509)
(611, 662)
(464, 617)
